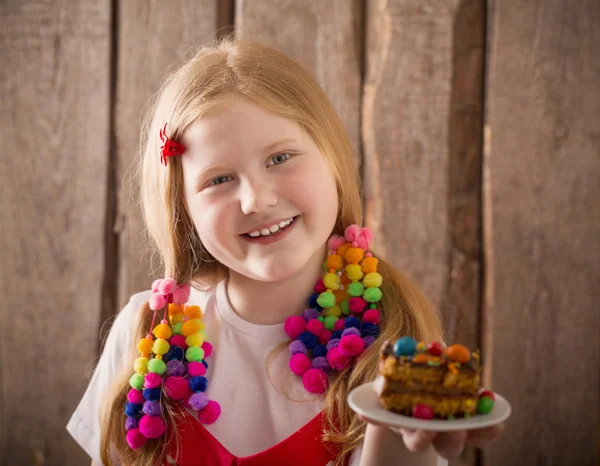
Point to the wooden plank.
(542, 224)
(54, 128)
(152, 42)
(324, 37)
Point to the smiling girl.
(247, 172)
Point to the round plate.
(365, 402)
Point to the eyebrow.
(280, 142)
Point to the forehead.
(235, 122)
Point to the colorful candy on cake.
(431, 381)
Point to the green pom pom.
(330, 322)
(137, 381)
(325, 268)
(157, 366)
(321, 319)
(177, 328)
(372, 295)
(345, 307)
(356, 289)
(194, 353)
(326, 300)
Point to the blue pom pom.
(351, 322)
(198, 383)
(175, 352)
(312, 301)
(310, 340)
(369, 329)
(205, 363)
(337, 334)
(152, 394)
(320, 350)
(133, 409)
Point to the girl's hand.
(446, 444)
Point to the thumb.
(417, 441)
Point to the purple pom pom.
(351, 331)
(131, 423)
(369, 340)
(333, 343)
(175, 368)
(310, 313)
(320, 362)
(151, 408)
(198, 401)
(297, 346)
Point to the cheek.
(213, 221)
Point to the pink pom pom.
(136, 396)
(294, 326)
(352, 233)
(152, 380)
(178, 340)
(196, 368)
(210, 413)
(155, 284)
(357, 305)
(335, 242)
(186, 287)
(351, 345)
(167, 286)
(325, 336)
(339, 324)
(320, 286)
(180, 296)
(300, 363)
(315, 381)
(315, 326)
(157, 302)
(152, 426)
(136, 439)
(372, 315)
(208, 349)
(337, 360)
(176, 387)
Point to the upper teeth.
(272, 229)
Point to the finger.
(483, 437)
(450, 444)
(370, 421)
(417, 441)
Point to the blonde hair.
(277, 83)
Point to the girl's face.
(258, 189)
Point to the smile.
(273, 229)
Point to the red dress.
(198, 447)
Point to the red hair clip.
(169, 148)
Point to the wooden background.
(476, 126)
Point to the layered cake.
(431, 381)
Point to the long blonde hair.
(277, 83)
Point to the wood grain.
(542, 225)
(325, 37)
(152, 41)
(54, 124)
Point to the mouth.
(271, 233)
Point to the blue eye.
(278, 159)
(221, 180)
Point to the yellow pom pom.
(331, 281)
(195, 340)
(145, 345)
(333, 311)
(163, 331)
(191, 326)
(193, 312)
(372, 280)
(160, 346)
(354, 272)
(335, 261)
(141, 365)
(176, 318)
(175, 309)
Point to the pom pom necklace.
(342, 319)
(177, 369)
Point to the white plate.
(365, 402)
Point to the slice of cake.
(431, 381)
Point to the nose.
(257, 196)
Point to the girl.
(246, 173)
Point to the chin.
(276, 270)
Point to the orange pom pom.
(340, 295)
(175, 309)
(369, 265)
(335, 261)
(343, 248)
(345, 279)
(193, 312)
(191, 326)
(354, 255)
(145, 345)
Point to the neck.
(269, 303)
